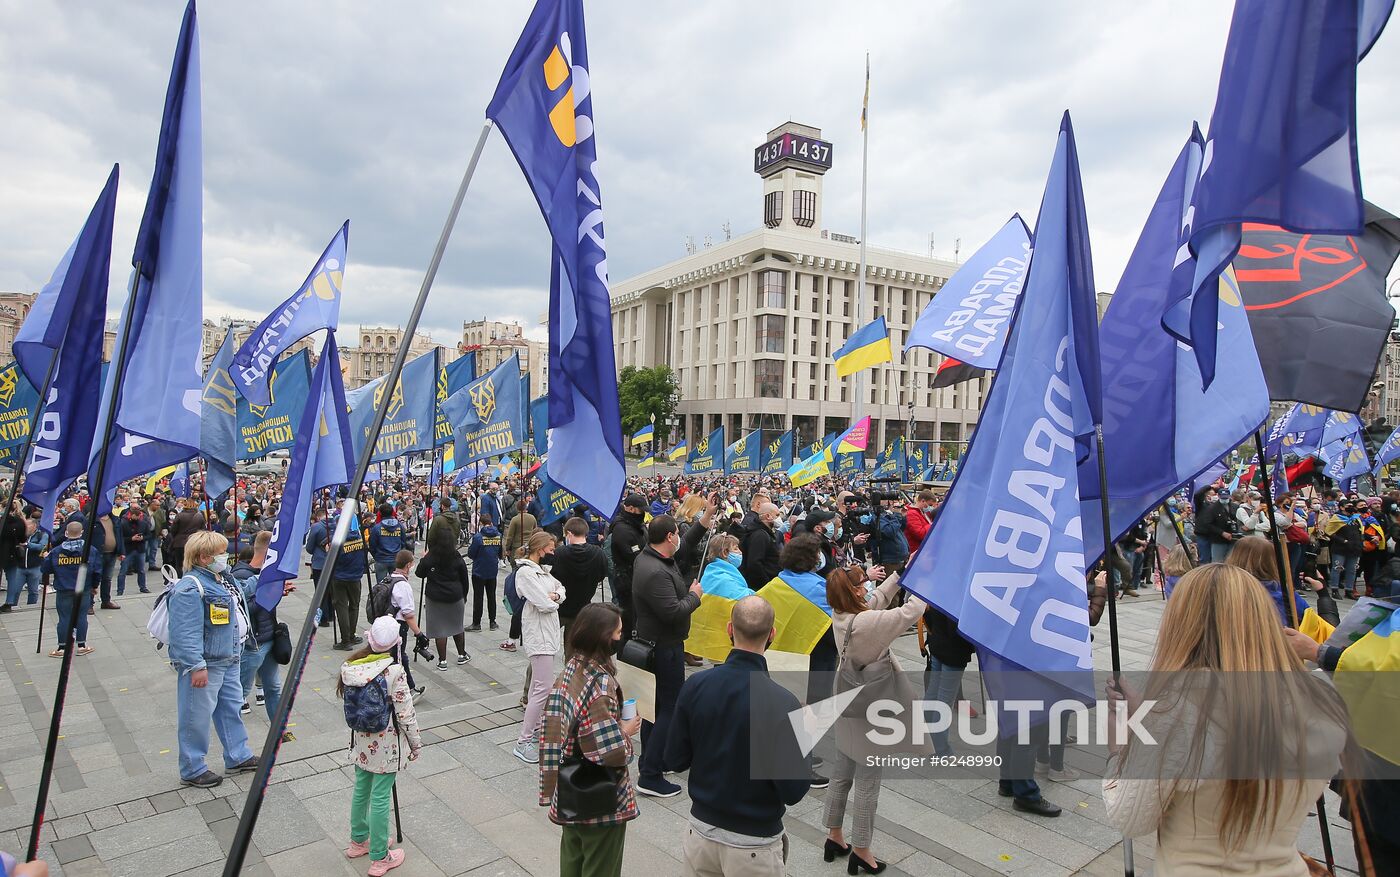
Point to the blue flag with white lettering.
(315, 306)
(1160, 428)
(1388, 451)
(451, 378)
(539, 425)
(19, 402)
(1345, 458)
(263, 429)
(487, 416)
(1281, 149)
(557, 502)
(1005, 555)
(412, 416)
(544, 108)
(157, 405)
(969, 317)
(320, 458)
(745, 454)
(218, 422)
(68, 319)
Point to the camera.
(877, 496)
(420, 649)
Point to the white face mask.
(218, 566)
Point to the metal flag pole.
(243, 834)
(1290, 598)
(859, 377)
(1114, 659)
(95, 490)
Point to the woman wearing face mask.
(721, 575)
(540, 633)
(209, 629)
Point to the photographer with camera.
(858, 529)
(891, 546)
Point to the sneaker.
(495, 626)
(245, 709)
(658, 788)
(110, 605)
(206, 780)
(462, 659)
(508, 646)
(1129, 592)
(1064, 775)
(259, 698)
(442, 665)
(145, 590)
(341, 647)
(8, 607)
(528, 752)
(416, 693)
(248, 765)
(1042, 768)
(84, 649)
(380, 867)
(357, 849)
(475, 628)
(359, 640)
(819, 781)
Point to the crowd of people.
(583, 594)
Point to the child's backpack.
(368, 708)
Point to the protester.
(1214, 787)
(209, 628)
(63, 564)
(318, 539)
(1344, 539)
(521, 527)
(762, 546)
(386, 539)
(948, 657)
(664, 605)
(347, 581)
(1256, 556)
(721, 575)
(918, 516)
(583, 723)
(485, 553)
(25, 574)
(1179, 562)
(257, 661)
(398, 604)
(445, 591)
(134, 532)
(187, 522)
(1214, 528)
(540, 635)
(580, 568)
(627, 540)
(736, 804)
(379, 710)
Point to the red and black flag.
(1318, 308)
(951, 372)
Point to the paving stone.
(70, 826)
(502, 867)
(138, 809)
(321, 858)
(215, 810)
(90, 867)
(144, 834)
(173, 857)
(167, 801)
(283, 822)
(192, 795)
(72, 849)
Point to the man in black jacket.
(628, 540)
(1213, 523)
(761, 546)
(580, 568)
(737, 800)
(664, 606)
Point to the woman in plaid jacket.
(582, 717)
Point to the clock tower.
(791, 164)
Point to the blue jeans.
(63, 605)
(136, 561)
(220, 701)
(151, 546)
(20, 578)
(382, 570)
(261, 665)
(1219, 551)
(104, 575)
(943, 682)
(1344, 568)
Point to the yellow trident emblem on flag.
(8, 385)
(702, 448)
(739, 446)
(260, 411)
(484, 400)
(395, 401)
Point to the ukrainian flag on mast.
(644, 435)
(869, 346)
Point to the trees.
(646, 392)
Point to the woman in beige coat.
(864, 627)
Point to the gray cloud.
(318, 112)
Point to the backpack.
(158, 623)
(514, 602)
(367, 707)
(380, 602)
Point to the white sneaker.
(1067, 775)
(528, 752)
(1042, 769)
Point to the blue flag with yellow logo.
(263, 429)
(487, 415)
(744, 455)
(19, 402)
(218, 421)
(451, 378)
(543, 107)
(412, 416)
(321, 458)
(890, 462)
(315, 306)
(706, 456)
(777, 454)
(557, 502)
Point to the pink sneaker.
(380, 867)
(356, 849)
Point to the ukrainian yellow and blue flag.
(677, 452)
(644, 435)
(649, 461)
(798, 623)
(1368, 681)
(868, 346)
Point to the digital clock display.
(808, 150)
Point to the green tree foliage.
(644, 392)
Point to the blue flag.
(1302, 427)
(1160, 428)
(706, 456)
(218, 422)
(1339, 425)
(315, 306)
(321, 458)
(263, 429)
(451, 378)
(158, 421)
(19, 402)
(1345, 458)
(557, 502)
(1388, 451)
(487, 416)
(969, 317)
(544, 109)
(1004, 556)
(539, 425)
(918, 455)
(180, 480)
(1279, 474)
(890, 463)
(412, 415)
(745, 455)
(777, 455)
(67, 320)
(1282, 147)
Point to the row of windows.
(804, 208)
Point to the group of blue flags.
(489, 416)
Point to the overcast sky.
(315, 112)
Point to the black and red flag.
(1317, 306)
(951, 372)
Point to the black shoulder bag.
(585, 790)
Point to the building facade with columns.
(750, 324)
(494, 341)
(375, 353)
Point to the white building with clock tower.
(749, 324)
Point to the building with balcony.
(494, 341)
(375, 353)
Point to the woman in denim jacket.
(208, 633)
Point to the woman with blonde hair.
(1256, 556)
(692, 507)
(539, 632)
(1180, 560)
(1236, 764)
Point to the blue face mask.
(780, 526)
(866, 519)
(735, 558)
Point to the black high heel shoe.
(833, 850)
(857, 865)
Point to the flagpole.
(95, 489)
(243, 834)
(1114, 658)
(859, 376)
